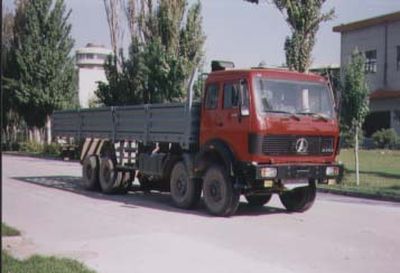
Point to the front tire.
(111, 180)
(185, 192)
(90, 173)
(220, 197)
(299, 199)
(258, 200)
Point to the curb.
(370, 196)
(41, 156)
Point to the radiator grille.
(286, 145)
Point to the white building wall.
(370, 38)
(393, 76)
(373, 38)
(88, 78)
(90, 61)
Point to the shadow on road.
(153, 200)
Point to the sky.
(238, 31)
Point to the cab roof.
(273, 73)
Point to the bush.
(52, 149)
(32, 147)
(385, 138)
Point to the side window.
(211, 97)
(231, 95)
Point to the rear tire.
(299, 199)
(111, 180)
(258, 200)
(185, 192)
(90, 173)
(220, 197)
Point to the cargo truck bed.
(144, 123)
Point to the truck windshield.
(294, 97)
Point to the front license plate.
(294, 183)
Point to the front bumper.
(287, 176)
(253, 178)
(297, 171)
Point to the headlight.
(332, 171)
(268, 172)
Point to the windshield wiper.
(317, 115)
(292, 115)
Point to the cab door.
(234, 117)
(210, 117)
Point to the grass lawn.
(40, 264)
(8, 231)
(37, 264)
(379, 173)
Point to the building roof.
(391, 17)
(95, 49)
(384, 94)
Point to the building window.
(89, 56)
(101, 57)
(398, 58)
(370, 61)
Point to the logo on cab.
(302, 146)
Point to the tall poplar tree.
(303, 18)
(44, 64)
(167, 46)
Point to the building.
(90, 69)
(378, 39)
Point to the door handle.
(234, 115)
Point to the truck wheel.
(90, 173)
(111, 180)
(220, 197)
(258, 200)
(299, 199)
(185, 192)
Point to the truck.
(254, 133)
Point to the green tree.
(166, 48)
(44, 79)
(9, 116)
(123, 87)
(303, 18)
(355, 103)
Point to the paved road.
(144, 233)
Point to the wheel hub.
(215, 191)
(181, 186)
(89, 171)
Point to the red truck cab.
(275, 129)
